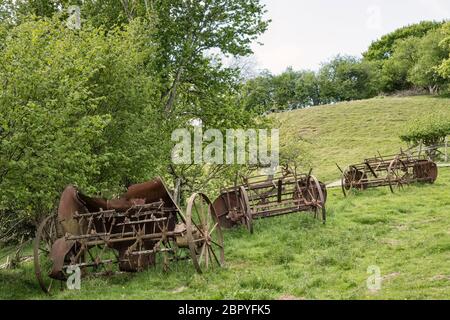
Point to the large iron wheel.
(347, 180)
(46, 235)
(352, 178)
(315, 196)
(203, 233)
(398, 174)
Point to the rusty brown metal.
(129, 232)
(267, 196)
(394, 171)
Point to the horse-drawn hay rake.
(394, 171)
(267, 196)
(132, 232)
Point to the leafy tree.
(295, 152)
(195, 83)
(76, 107)
(444, 68)
(383, 48)
(346, 78)
(307, 89)
(188, 30)
(284, 87)
(395, 70)
(343, 78)
(430, 55)
(257, 94)
(408, 57)
(189, 81)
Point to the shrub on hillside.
(430, 130)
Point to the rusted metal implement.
(394, 171)
(130, 233)
(267, 196)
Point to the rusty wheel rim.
(45, 236)
(347, 181)
(395, 176)
(317, 197)
(245, 205)
(203, 233)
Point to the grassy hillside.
(406, 234)
(348, 132)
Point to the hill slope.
(348, 132)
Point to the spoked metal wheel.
(398, 174)
(203, 233)
(347, 179)
(245, 206)
(46, 235)
(353, 178)
(315, 196)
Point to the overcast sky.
(305, 33)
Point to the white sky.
(304, 33)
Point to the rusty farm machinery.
(267, 196)
(130, 233)
(394, 171)
(145, 226)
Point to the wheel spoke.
(197, 213)
(198, 228)
(217, 244)
(213, 228)
(209, 218)
(44, 250)
(50, 285)
(201, 253)
(215, 257)
(209, 232)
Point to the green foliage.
(430, 55)
(444, 68)
(194, 82)
(411, 57)
(415, 62)
(347, 78)
(429, 130)
(395, 70)
(341, 79)
(76, 107)
(95, 107)
(295, 152)
(284, 86)
(383, 48)
(307, 89)
(257, 94)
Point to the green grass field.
(406, 234)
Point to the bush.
(75, 107)
(430, 131)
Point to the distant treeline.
(415, 57)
